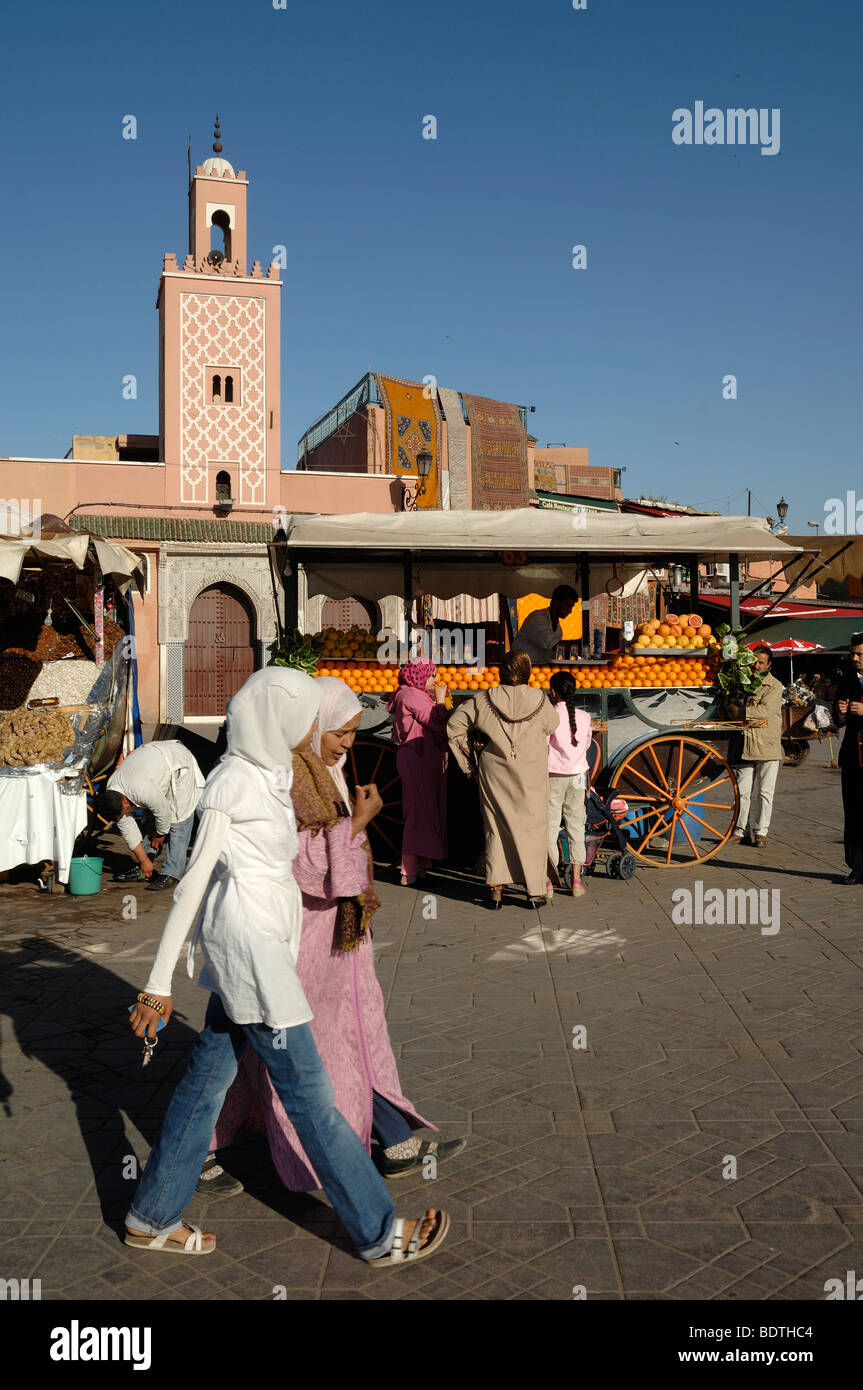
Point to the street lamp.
(782, 510)
(816, 524)
(425, 459)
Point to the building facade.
(199, 501)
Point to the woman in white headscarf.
(336, 969)
(240, 889)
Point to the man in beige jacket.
(762, 755)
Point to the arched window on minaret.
(229, 390)
(216, 390)
(223, 486)
(221, 224)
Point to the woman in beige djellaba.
(511, 725)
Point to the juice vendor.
(541, 632)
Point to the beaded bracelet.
(151, 1003)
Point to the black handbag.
(476, 742)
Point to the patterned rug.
(413, 423)
(456, 434)
(498, 451)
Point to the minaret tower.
(219, 355)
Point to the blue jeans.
(176, 846)
(389, 1125)
(348, 1176)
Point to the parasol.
(787, 646)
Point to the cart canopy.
(460, 552)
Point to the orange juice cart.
(664, 745)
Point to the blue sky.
(453, 256)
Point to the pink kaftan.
(419, 729)
(349, 1024)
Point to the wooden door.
(219, 653)
(346, 612)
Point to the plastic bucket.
(85, 876)
(694, 826)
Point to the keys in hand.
(149, 1049)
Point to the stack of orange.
(363, 677)
(373, 677)
(685, 630)
(639, 671)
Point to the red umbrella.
(787, 646)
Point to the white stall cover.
(115, 560)
(39, 821)
(626, 539)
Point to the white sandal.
(397, 1254)
(194, 1244)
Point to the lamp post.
(816, 524)
(425, 459)
(782, 510)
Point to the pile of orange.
(639, 672)
(686, 630)
(373, 677)
(354, 642)
(631, 671)
(363, 677)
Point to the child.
(567, 765)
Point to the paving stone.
(584, 1167)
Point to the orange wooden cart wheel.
(373, 761)
(682, 797)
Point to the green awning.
(832, 634)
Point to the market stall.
(674, 773)
(65, 664)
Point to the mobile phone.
(159, 1026)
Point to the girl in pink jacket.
(567, 765)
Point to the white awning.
(612, 534)
(366, 550)
(115, 560)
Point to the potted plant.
(736, 676)
(296, 650)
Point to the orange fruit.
(705, 630)
(664, 630)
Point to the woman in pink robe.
(419, 729)
(334, 866)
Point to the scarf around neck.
(318, 805)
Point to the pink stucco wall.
(141, 489)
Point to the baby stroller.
(603, 838)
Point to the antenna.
(189, 157)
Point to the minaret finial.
(217, 139)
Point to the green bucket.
(85, 876)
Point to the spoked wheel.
(682, 797)
(373, 761)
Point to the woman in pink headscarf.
(419, 729)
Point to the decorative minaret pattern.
(219, 353)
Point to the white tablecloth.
(38, 821)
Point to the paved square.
(705, 1141)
